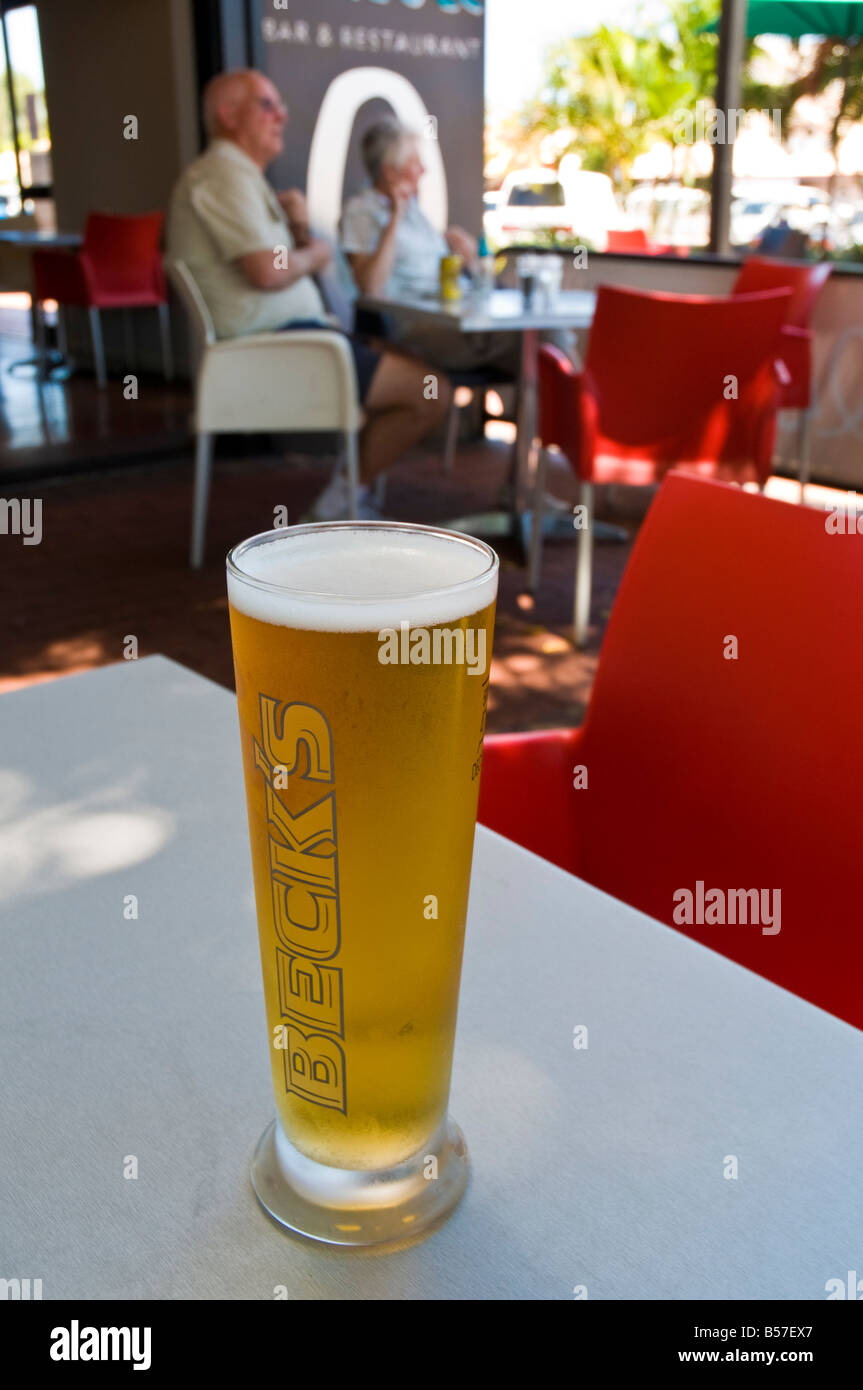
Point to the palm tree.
(618, 92)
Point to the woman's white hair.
(383, 143)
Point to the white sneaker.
(367, 507)
(333, 504)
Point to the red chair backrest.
(627, 240)
(659, 360)
(123, 252)
(660, 367)
(741, 773)
(804, 281)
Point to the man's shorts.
(366, 358)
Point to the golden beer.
(361, 653)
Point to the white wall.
(105, 60)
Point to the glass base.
(354, 1206)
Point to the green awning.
(793, 18)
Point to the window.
(590, 97)
(626, 90)
(25, 139)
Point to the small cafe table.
(502, 311)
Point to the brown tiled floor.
(69, 424)
(113, 558)
(112, 563)
(115, 482)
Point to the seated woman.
(394, 251)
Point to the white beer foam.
(362, 579)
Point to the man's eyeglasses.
(271, 106)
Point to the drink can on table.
(450, 284)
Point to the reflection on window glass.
(537, 195)
(583, 105)
(615, 104)
(31, 113)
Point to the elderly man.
(228, 225)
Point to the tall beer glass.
(361, 652)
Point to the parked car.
(538, 205)
(671, 214)
(763, 204)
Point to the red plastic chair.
(737, 774)
(628, 241)
(668, 380)
(119, 266)
(806, 283)
(635, 241)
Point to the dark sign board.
(341, 64)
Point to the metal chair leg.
(584, 570)
(37, 314)
(38, 311)
(450, 438)
(35, 318)
(165, 336)
(129, 340)
(353, 468)
(381, 489)
(534, 558)
(98, 347)
(62, 340)
(804, 431)
(203, 469)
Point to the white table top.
(502, 312)
(600, 1167)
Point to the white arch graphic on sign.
(328, 153)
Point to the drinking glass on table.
(485, 278)
(550, 276)
(361, 652)
(526, 269)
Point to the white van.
(536, 205)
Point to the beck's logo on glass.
(303, 861)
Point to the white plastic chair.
(301, 381)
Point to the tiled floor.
(112, 563)
(112, 560)
(69, 424)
